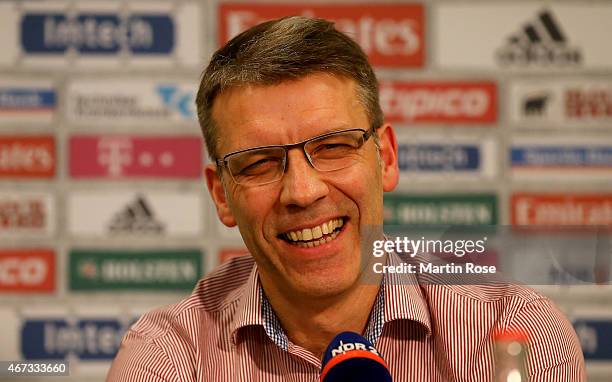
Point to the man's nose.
(302, 185)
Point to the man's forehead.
(314, 104)
(244, 90)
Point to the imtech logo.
(97, 33)
(540, 42)
(86, 339)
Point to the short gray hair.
(280, 50)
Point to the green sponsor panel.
(141, 270)
(441, 210)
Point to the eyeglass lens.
(266, 165)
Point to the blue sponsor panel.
(561, 156)
(595, 336)
(97, 33)
(439, 157)
(85, 339)
(26, 99)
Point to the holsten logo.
(27, 270)
(391, 35)
(443, 209)
(561, 209)
(439, 157)
(134, 270)
(122, 156)
(97, 33)
(542, 43)
(595, 335)
(85, 339)
(25, 99)
(27, 156)
(561, 156)
(439, 102)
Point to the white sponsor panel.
(435, 157)
(100, 34)
(561, 103)
(26, 214)
(523, 36)
(559, 158)
(128, 101)
(130, 213)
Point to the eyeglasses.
(267, 164)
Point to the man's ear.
(388, 157)
(215, 187)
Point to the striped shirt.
(227, 331)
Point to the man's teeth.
(311, 237)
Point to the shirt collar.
(400, 298)
(404, 299)
(248, 310)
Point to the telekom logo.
(123, 156)
(115, 153)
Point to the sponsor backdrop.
(503, 112)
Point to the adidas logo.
(535, 105)
(541, 42)
(136, 217)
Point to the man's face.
(344, 200)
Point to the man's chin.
(324, 286)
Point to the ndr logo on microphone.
(97, 33)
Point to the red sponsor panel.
(122, 156)
(27, 270)
(27, 156)
(229, 253)
(439, 102)
(533, 209)
(392, 35)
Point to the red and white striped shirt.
(430, 332)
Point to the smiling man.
(290, 114)
(301, 209)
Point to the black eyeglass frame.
(224, 161)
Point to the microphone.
(351, 358)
